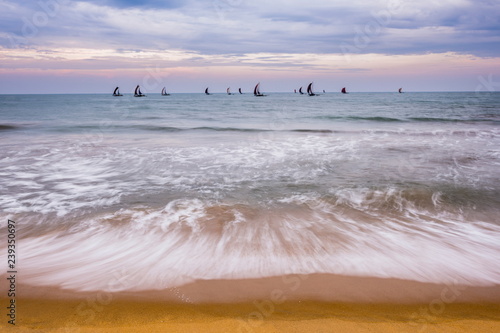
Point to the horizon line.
(251, 93)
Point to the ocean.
(167, 190)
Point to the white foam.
(174, 245)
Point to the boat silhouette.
(138, 93)
(117, 92)
(309, 90)
(256, 91)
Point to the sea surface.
(166, 190)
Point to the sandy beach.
(265, 305)
(130, 316)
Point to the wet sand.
(130, 316)
(309, 303)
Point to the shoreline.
(313, 287)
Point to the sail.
(138, 93)
(400, 90)
(206, 91)
(116, 92)
(239, 90)
(228, 91)
(300, 91)
(256, 90)
(344, 91)
(309, 90)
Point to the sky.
(92, 46)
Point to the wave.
(170, 129)
(381, 119)
(5, 127)
(313, 131)
(360, 232)
(453, 120)
(412, 119)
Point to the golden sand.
(36, 315)
(276, 304)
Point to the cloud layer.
(237, 26)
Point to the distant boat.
(239, 90)
(343, 91)
(300, 91)
(206, 92)
(228, 90)
(257, 92)
(294, 91)
(400, 90)
(117, 92)
(310, 91)
(164, 92)
(324, 91)
(138, 93)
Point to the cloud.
(228, 26)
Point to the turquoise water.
(190, 186)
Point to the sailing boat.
(239, 90)
(228, 90)
(300, 91)
(164, 92)
(310, 91)
(206, 92)
(343, 91)
(117, 92)
(138, 93)
(400, 90)
(256, 91)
